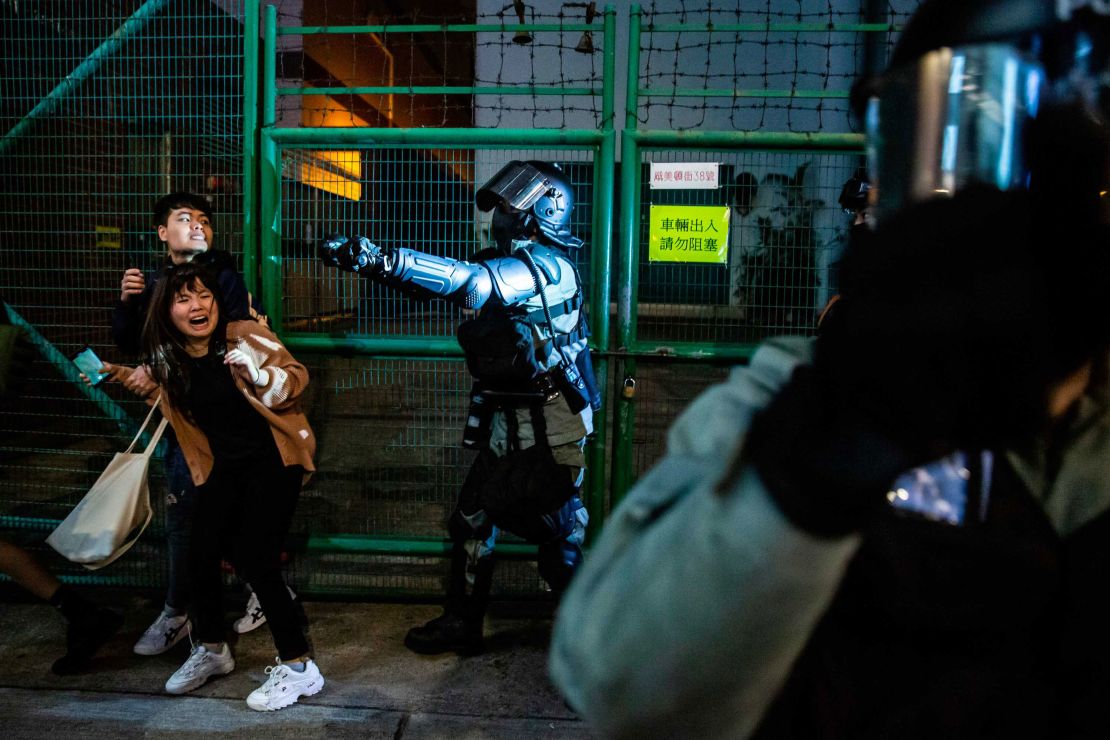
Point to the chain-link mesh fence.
(105, 106)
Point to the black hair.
(167, 204)
(853, 195)
(163, 345)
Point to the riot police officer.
(533, 397)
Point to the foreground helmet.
(1007, 93)
(539, 194)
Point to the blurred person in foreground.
(899, 529)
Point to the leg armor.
(559, 560)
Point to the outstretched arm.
(418, 273)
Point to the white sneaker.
(201, 664)
(284, 686)
(163, 634)
(253, 617)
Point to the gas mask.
(506, 227)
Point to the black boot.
(459, 628)
(446, 633)
(89, 629)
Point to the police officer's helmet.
(1008, 93)
(538, 190)
(853, 195)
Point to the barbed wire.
(790, 69)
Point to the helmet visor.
(955, 117)
(518, 184)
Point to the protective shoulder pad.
(512, 281)
(550, 261)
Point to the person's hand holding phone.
(91, 366)
(94, 371)
(132, 284)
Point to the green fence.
(103, 107)
(396, 400)
(111, 107)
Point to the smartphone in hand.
(88, 363)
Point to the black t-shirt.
(235, 431)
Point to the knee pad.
(557, 562)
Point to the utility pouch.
(570, 383)
(585, 366)
(500, 349)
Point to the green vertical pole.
(602, 247)
(270, 177)
(250, 144)
(624, 416)
(269, 67)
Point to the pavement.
(375, 688)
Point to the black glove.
(357, 254)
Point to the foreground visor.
(955, 117)
(518, 183)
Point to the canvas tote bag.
(115, 511)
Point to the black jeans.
(246, 510)
(180, 502)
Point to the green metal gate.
(104, 105)
(390, 385)
(112, 108)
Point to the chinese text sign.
(688, 234)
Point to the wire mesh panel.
(104, 106)
(553, 59)
(755, 251)
(439, 64)
(389, 465)
(350, 73)
(776, 65)
(781, 243)
(389, 431)
(390, 460)
(663, 391)
(413, 198)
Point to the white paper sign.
(685, 175)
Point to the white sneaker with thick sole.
(284, 686)
(201, 664)
(253, 617)
(163, 634)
